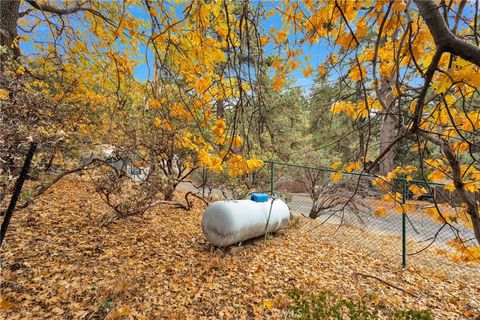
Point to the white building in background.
(107, 153)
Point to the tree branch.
(56, 10)
(443, 36)
(472, 206)
(80, 6)
(417, 115)
(386, 282)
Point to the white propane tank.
(231, 221)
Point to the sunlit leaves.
(464, 253)
(442, 83)
(238, 165)
(357, 73)
(237, 142)
(381, 212)
(279, 81)
(436, 176)
(417, 190)
(154, 104)
(354, 110)
(219, 128)
(352, 166)
(393, 197)
(335, 165)
(322, 70)
(307, 71)
(281, 36)
(336, 176)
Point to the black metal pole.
(17, 190)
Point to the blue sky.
(317, 52)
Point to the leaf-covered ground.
(58, 262)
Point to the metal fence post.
(17, 190)
(271, 179)
(404, 223)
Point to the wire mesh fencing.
(410, 222)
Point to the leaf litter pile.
(60, 262)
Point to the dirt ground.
(59, 262)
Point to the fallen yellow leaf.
(268, 304)
(5, 305)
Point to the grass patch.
(327, 305)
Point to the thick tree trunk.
(220, 108)
(9, 13)
(387, 129)
(387, 136)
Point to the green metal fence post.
(404, 224)
(271, 178)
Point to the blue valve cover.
(259, 197)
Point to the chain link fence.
(412, 222)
